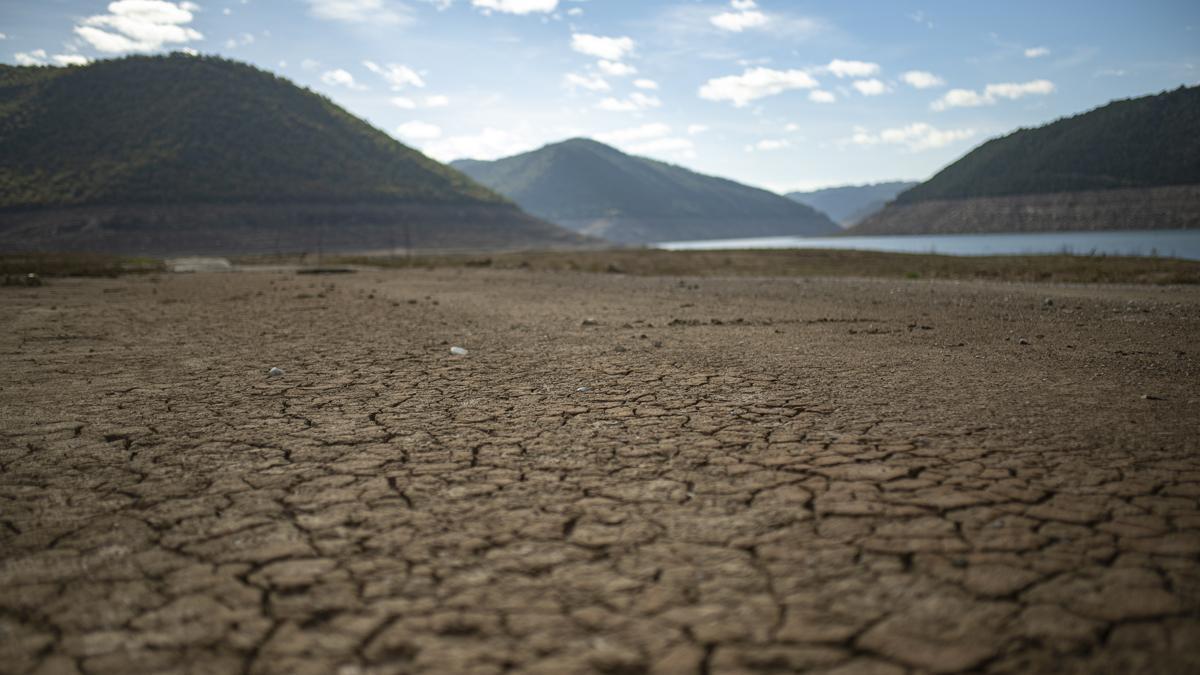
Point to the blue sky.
(779, 94)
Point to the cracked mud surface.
(836, 476)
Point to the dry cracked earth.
(624, 475)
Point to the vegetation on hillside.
(183, 129)
(1142, 142)
(581, 178)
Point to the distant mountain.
(849, 204)
(186, 153)
(598, 190)
(1131, 164)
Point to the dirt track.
(842, 476)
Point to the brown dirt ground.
(762, 475)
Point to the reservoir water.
(1161, 243)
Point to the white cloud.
(841, 68)
(139, 26)
(516, 6)
(487, 144)
(821, 96)
(738, 21)
(3, 36)
(694, 129)
(791, 127)
(608, 48)
(574, 11)
(871, 87)
(1035, 52)
(636, 101)
(340, 78)
(437, 101)
(589, 82)
(755, 83)
(419, 131)
(922, 79)
(960, 98)
(71, 60)
(39, 57)
(615, 68)
(966, 98)
(36, 57)
(640, 133)
(645, 84)
(397, 75)
(403, 103)
(378, 12)
(742, 18)
(916, 137)
(1015, 91)
(310, 64)
(769, 144)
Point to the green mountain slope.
(1131, 164)
(165, 142)
(1136, 143)
(848, 204)
(593, 188)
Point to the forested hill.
(596, 189)
(1145, 142)
(183, 154)
(183, 129)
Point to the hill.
(1131, 164)
(598, 190)
(182, 152)
(849, 204)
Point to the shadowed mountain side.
(593, 188)
(1131, 164)
(279, 228)
(849, 204)
(190, 154)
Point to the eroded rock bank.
(1161, 208)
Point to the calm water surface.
(1163, 243)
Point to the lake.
(1162, 243)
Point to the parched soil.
(624, 475)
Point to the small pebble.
(583, 389)
(1022, 341)
(275, 372)
(458, 351)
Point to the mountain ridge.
(596, 189)
(1130, 164)
(849, 204)
(142, 142)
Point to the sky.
(780, 94)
